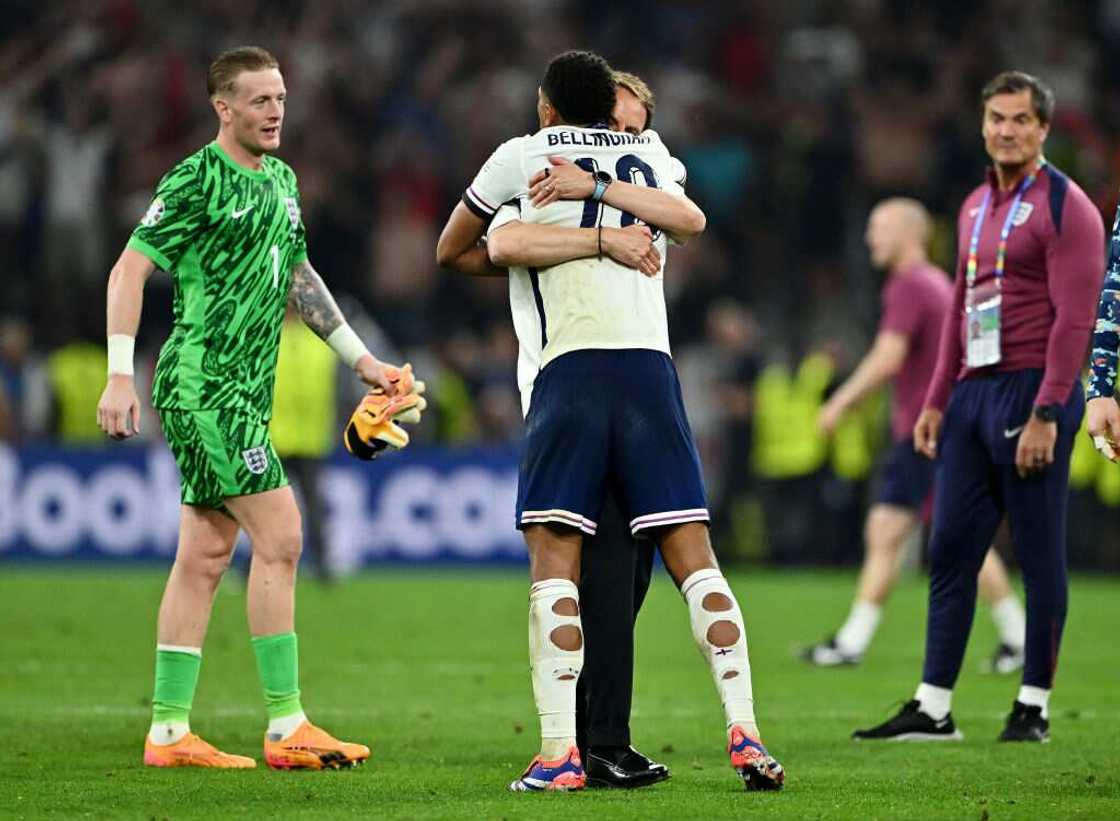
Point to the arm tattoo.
(314, 302)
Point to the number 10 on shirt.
(626, 169)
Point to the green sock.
(278, 664)
(176, 679)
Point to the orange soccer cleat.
(564, 774)
(192, 751)
(310, 748)
(754, 764)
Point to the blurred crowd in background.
(792, 118)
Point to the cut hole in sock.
(716, 603)
(565, 673)
(565, 607)
(723, 634)
(729, 674)
(567, 637)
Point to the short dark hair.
(580, 86)
(225, 68)
(1012, 82)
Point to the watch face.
(603, 177)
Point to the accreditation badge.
(982, 313)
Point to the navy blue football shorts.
(905, 477)
(614, 419)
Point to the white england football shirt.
(585, 303)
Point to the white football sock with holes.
(555, 670)
(730, 664)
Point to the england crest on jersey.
(1022, 214)
(292, 204)
(154, 213)
(256, 459)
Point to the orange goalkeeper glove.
(402, 379)
(374, 424)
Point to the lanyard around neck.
(1005, 232)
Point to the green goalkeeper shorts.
(221, 453)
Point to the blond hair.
(224, 70)
(637, 86)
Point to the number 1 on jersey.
(275, 251)
(591, 208)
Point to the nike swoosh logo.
(1009, 433)
(239, 214)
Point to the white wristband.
(121, 348)
(347, 345)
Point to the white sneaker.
(829, 654)
(1006, 659)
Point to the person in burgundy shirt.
(916, 300)
(1005, 404)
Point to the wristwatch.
(602, 181)
(1047, 413)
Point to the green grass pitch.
(430, 669)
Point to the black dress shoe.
(622, 767)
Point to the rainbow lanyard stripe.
(1008, 224)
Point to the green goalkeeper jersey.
(229, 236)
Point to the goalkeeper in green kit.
(225, 223)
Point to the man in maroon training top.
(1005, 404)
(916, 299)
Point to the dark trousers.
(976, 485)
(614, 577)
